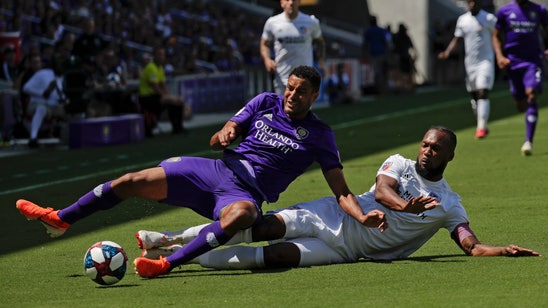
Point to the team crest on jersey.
(173, 159)
(302, 133)
(303, 30)
(268, 116)
(533, 15)
(386, 166)
(512, 15)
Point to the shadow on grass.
(437, 258)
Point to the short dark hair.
(309, 73)
(450, 134)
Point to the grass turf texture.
(504, 193)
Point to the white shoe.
(153, 239)
(527, 148)
(156, 253)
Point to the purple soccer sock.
(100, 198)
(531, 116)
(209, 237)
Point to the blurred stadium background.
(213, 45)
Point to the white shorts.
(316, 228)
(480, 76)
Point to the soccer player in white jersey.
(415, 197)
(476, 28)
(293, 35)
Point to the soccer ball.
(105, 262)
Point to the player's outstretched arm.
(510, 251)
(348, 202)
(468, 242)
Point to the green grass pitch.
(504, 193)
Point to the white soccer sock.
(484, 108)
(188, 234)
(236, 257)
(243, 236)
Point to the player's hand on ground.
(516, 251)
(420, 204)
(375, 219)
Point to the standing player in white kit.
(476, 28)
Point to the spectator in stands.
(292, 34)
(29, 65)
(338, 87)
(8, 71)
(154, 96)
(47, 99)
(109, 82)
(376, 47)
(407, 54)
(89, 43)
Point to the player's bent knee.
(282, 255)
(272, 227)
(239, 215)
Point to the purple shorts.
(205, 186)
(527, 76)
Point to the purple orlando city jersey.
(521, 26)
(276, 149)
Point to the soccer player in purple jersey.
(280, 139)
(518, 26)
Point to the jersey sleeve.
(500, 20)
(543, 16)
(244, 116)
(456, 214)
(491, 22)
(458, 28)
(393, 166)
(329, 157)
(316, 29)
(267, 34)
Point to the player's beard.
(430, 173)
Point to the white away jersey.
(476, 32)
(292, 41)
(407, 232)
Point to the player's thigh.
(517, 88)
(480, 76)
(313, 251)
(485, 75)
(532, 78)
(147, 183)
